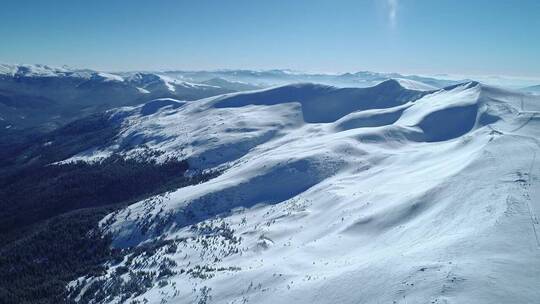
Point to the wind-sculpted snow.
(154, 106)
(327, 195)
(327, 104)
(415, 85)
(372, 118)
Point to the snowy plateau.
(399, 192)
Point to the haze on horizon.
(407, 36)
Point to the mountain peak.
(390, 83)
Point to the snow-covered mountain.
(281, 77)
(39, 96)
(44, 97)
(395, 193)
(234, 85)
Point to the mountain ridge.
(412, 192)
(296, 195)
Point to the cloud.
(392, 11)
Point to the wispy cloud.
(392, 11)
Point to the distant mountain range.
(281, 77)
(33, 96)
(44, 97)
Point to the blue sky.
(477, 37)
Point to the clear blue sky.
(410, 36)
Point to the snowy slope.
(415, 85)
(375, 195)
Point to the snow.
(535, 90)
(375, 195)
(110, 77)
(141, 90)
(325, 103)
(40, 70)
(31, 70)
(145, 80)
(159, 104)
(266, 78)
(509, 82)
(37, 70)
(415, 85)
